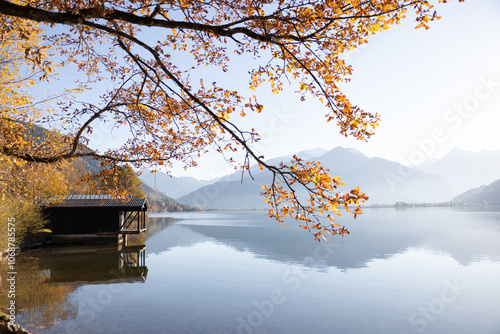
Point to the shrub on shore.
(19, 220)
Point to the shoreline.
(10, 327)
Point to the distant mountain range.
(384, 181)
(466, 170)
(173, 187)
(176, 187)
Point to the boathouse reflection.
(103, 264)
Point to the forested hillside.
(25, 185)
(158, 202)
(484, 195)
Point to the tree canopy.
(134, 45)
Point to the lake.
(415, 270)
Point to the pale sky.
(435, 89)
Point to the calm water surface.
(428, 270)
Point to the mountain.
(171, 186)
(466, 170)
(177, 187)
(384, 181)
(159, 202)
(304, 155)
(489, 194)
(241, 191)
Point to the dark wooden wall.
(83, 220)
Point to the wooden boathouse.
(91, 218)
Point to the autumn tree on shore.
(120, 180)
(23, 183)
(169, 117)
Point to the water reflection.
(239, 272)
(48, 278)
(467, 236)
(95, 264)
(40, 303)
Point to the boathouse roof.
(100, 201)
